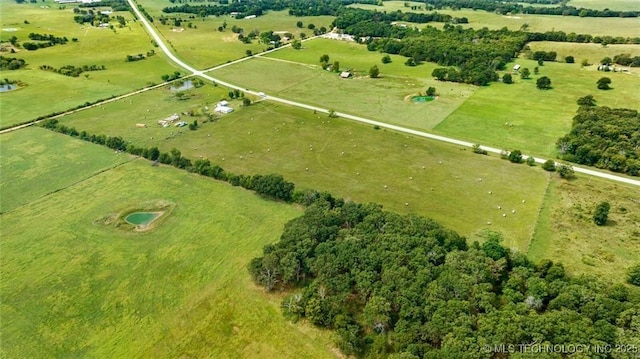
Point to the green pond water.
(141, 218)
(422, 98)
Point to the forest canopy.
(404, 285)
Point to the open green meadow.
(36, 162)
(296, 74)
(519, 116)
(591, 52)
(350, 160)
(566, 229)
(203, 46)
(75, 287)
(625, 5)
(48, 92)
(626, 27)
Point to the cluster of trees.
(603, 137)
(360, 22)
(145, 13)
(626, 60)
(405, 285)
(115, 5)
(170, 77)
(72, 71)
(11, 63)
(48, 40)
(94, 18)
(272, 186)
(513, 7)
(542, 55)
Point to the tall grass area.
(566, 231)
(48, 92)
(36, 162)
(74, 287)
(625, 27)
(519, 116)
(350, 160)
(203, 46)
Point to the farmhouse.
(223, 103)
(345, 74)
(250, 17)
(516, 67)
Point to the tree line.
(503, 8)
(72, 71)
(272, 186)
(404, 286)
(607, 138)
(48, 40)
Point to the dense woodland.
(390, 283)
(11, 63)
(604, 137)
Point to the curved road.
(186, 66)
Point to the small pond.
(142, 218)
(8, 87)
(185, 86)
(422, 98)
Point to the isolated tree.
(311, 26)
(536, 70)
(543, 83)
(303, 35)
(633, 275)
(246, 101)
(566, 171)
(569, 59)
(606, 61)
(515, 156)
(410, 62)
(248, 53)
(324, 59)
(231, 94)
(431, 91)
(603, 83)
(299, 24)
(540, 62)
(507, 79)
(586, 101)
(336, 66)
(549, 165)
(531, 161)
(601, 213)
(386, 59)
(374, 72)
(296, 44)
(525, 73)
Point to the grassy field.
(36, 162)
(626, 27)
(519, 116)
(204, 46)
(267, 138)
(566, 229)
(296, 74)
(625, 5)
(591, 52)
(74, 287)
(47, 92)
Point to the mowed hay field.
(296, 75)
(75, 287)
(36, 162)
(519, 116)
(443, 182)
(566, 229)
(625, 27)
(48, 92)
(203, 46)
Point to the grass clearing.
(626, 27)
(180, 291)
(519, 116)
(36, 162)
(623, 5)
(566, 231)
(592, 52)
(48, 92)
(350, 160)
(386, 98)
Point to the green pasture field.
(75, 287)
(566, 229)
(386, 98)
(519, 116)
(624, 5)
(592, 52)
(48, 92)
(205, 46)
(626, 27)
(269, 138)
(36, 162)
